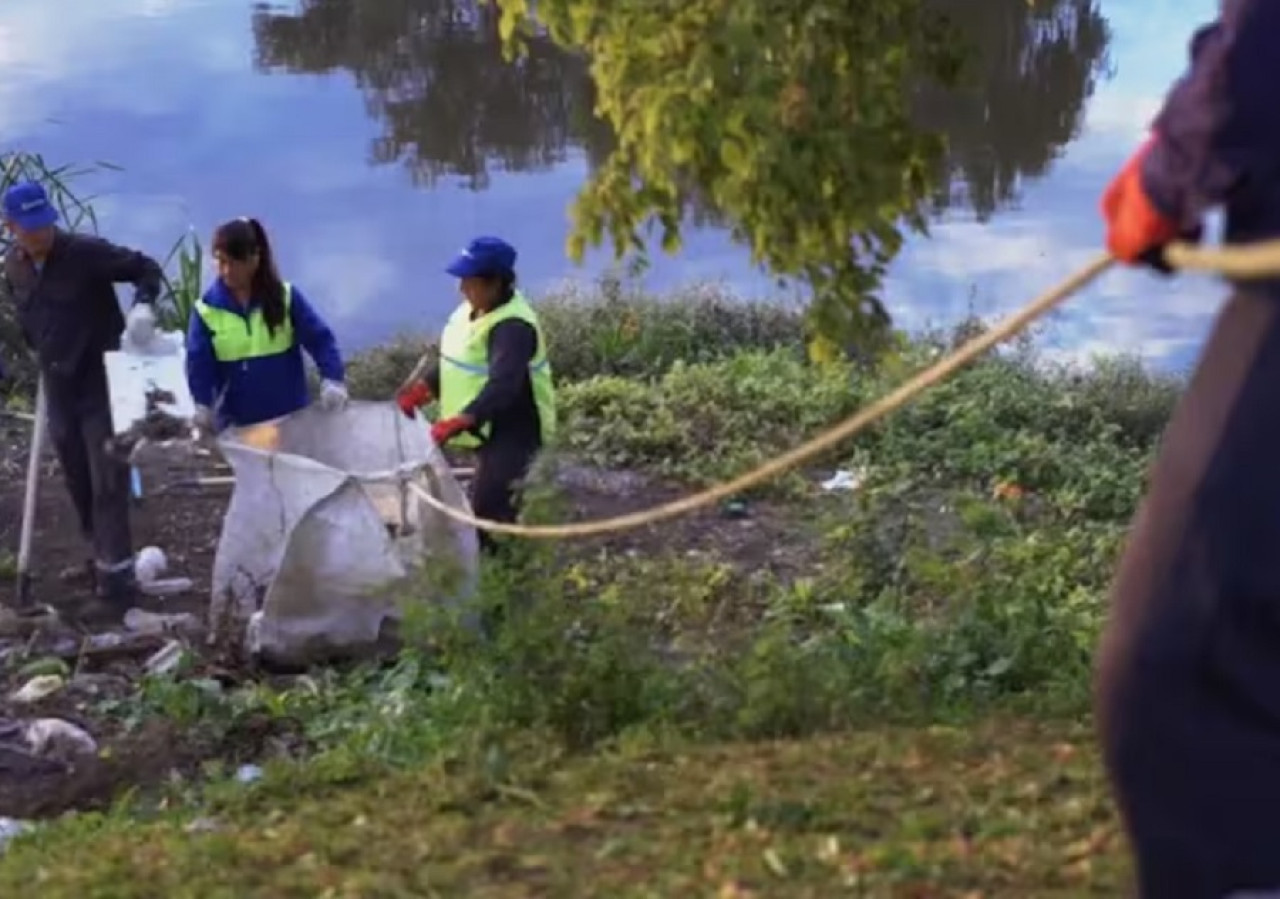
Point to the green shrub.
(706, 421)
(613, 330)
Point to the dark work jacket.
(1189, 674)
(1219, 129)
(68, 309)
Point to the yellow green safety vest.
(464, 365)
(237, 338)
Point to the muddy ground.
(185, 522)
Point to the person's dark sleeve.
(121, 265)
(1219, 126)
(431, 377)
(512, 344)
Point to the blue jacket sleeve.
(202, 365)
(1219, 125)
(315, 336)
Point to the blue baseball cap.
(27, 205)
(484, 257)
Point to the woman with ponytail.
(247, 334)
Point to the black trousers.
(1189, 669)
(79, 428)
(496, 492)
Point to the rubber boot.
(119, 589)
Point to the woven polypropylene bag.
(321, 529)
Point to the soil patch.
(752, 536)
(181, 519)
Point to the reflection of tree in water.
(1035, 66)
(434, 72)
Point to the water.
(372, 150)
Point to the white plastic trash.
(149, 564)
(55, 738)
(321, 525)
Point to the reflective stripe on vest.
(239, 337)
(464, 365)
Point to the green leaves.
(790, 120)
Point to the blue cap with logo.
(484, 257)
(27, 205)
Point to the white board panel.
(130, 377)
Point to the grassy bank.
(902, 706)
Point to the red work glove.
(446, 429)
(1137, 232)
(410, 398)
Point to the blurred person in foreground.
(1188, 677)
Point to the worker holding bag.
(1188, 686)
(246, 337)
(493, 381)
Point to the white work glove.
(203, 423)
(140, 326)
(333, 395)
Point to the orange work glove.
(411, 397)
(444, 431)
(1137, 232)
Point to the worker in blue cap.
(1188, 692)
(493, 380)
(63, 286)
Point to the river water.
(374, 137)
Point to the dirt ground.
(182, 520)
(185, 521)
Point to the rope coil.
(1243, 262)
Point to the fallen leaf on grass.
(774, 863)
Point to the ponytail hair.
(241, 239)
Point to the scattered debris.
(61, 740)
(38, 688)
(140, 621)
(149, 564)
(202, 825)
(735, 509)
(171, 586)
(247, 774)
(843, 480)
(156, 428)
(45, 666)
(109, 647)
(167, 659)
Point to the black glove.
(1154, 258)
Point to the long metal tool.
(29, 500)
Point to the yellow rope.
(1241, 262)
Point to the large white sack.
(321, 524)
